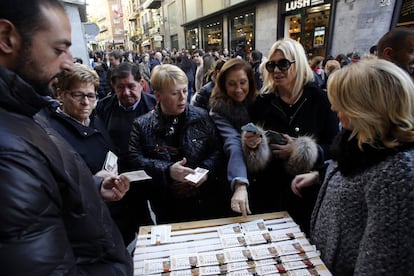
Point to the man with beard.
(397, 46)
(53, 219)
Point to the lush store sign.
(299, 4)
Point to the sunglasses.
(283, 65)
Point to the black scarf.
(351, 159)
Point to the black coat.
(118, 122)
(311, 115)
(91, 142)
(130, 212)
(200, 143)
(53, 219)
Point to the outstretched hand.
(240, 200)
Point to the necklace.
(171, 129)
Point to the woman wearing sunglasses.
(292, 104)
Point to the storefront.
(213, 34)
(406, 14)
(232, 27)
(242, 38)
(308, 22)
(191, 38)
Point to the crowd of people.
(330, 140)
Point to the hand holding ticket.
(111, 166)
(136, 175)
(197, 176)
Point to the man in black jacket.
(53, 219)
(118, 111)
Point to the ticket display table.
(264, 244)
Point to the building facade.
(109, 17)
(324, 27)
(76, 11)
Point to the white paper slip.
(196, 177)
(211, 258)
(257, 237)
(160, 234)
(229, 229)
(111, 163)
(252, 226)
(156, 266)
(208, 270)
(233, 240)
(184, 261)
(137, 175)
(237, 254)
(243, 272)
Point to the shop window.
(294, 26)
(316, 26)
(406, 17)
(242, 38)
(310, 28)
(212, 35)
(174, 42)
(191, 36)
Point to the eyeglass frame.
(271, 65)
(80, 96)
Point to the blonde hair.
(315, 61)
(80, 73)
(293, 51)
(164, 75)
(331, 66)
(378, 99)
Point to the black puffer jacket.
(199, 143)
(53, 220)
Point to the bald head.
(397, 46)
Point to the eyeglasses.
(79, 96)
(283, 65)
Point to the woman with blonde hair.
(293, 105)
(170, 143)
(363, 220)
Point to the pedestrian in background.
(202, 97)
(255, 61)
(397, 46)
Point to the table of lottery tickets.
(265, 244)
